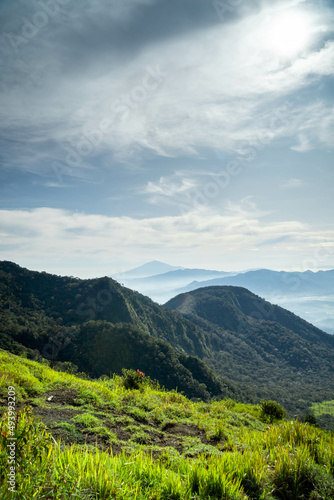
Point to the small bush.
(310, 418)
(271, 411)
(133, 379)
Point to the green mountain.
(220, 341)
(258, 343)
(102, 327)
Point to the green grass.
(153, 445)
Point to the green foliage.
(310, 418)
(296, 477)
(33, 458)
(326, 422)
(133, 379)
(148, 461)
(324, 414)
(86, 420)
(323, 407)
(256, 343)
(271, 411)
(137, 413)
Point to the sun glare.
(288, 34)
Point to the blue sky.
(195, 132)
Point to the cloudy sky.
(195, 132)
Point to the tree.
(271, 411)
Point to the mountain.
(308, 294)
(256, 341)
(161, 287)
(267, 282)
(101, 327)
(148, 269)
(219, 341)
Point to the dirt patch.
(61, 397)
(167, 440)
(186, 430)
(120, 432)
(182, 429)
(53, 416)
(172, 435)
(66, 436)
(50, 415)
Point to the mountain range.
(221, 341)
(308, 294)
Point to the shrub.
(133, 379)
(271, 411)
(310, 418)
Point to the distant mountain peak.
(149, 269)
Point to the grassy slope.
(151, 444)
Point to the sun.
(288, 33)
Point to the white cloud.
(315, 128)
(169, 190)
(292, 183)
(217, 89)
(167, 187)
(47, 238)
(303, 143)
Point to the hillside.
(259, 342)
(308, 294)
(98, 439)
(102, 327)
(219, 342)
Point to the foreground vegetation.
(125, 438)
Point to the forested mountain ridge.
(272, 347)
(255, 349)
(102, 327)
(232, 307)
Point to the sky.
(194, 132)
